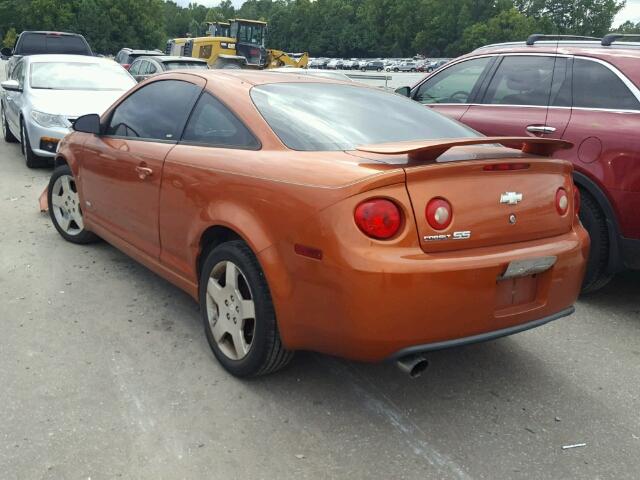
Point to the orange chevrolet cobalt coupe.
(311, 214)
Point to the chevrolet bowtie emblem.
(511, 198)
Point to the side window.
(522, 80)
(454, 84)
(151, 68)
(157, 111)
(135, 68)
(119, 57)
(211, 123)
(595, 86)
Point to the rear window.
(185, 65)
(317, 116)
(41, 43)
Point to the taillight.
(576, 200)
(562, 201)
(378, 218)
(439, 213)
(126, 66)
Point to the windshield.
(185, 65)
(79, 76)
(251, 33)
(317, 116)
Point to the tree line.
(336, 28)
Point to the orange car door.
(121, 169)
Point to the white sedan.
(46, 93)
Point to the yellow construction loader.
(239, 43)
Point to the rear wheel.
(64, 207)
(6, 133)
(594, 222)
(30, 158)
(238, 314)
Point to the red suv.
(583, 91)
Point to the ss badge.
(462, 235)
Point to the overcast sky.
(630, 12)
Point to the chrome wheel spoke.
(239, 343)
(218, 330)
(66, 185)
(65, 222)
(77, 217)
(247, 309)
(57, 201)
(215, 291)
(231, 276)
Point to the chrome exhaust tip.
(413, 365)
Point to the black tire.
(83, 236)
(266, 353)
(396, 70)
(6, 133)
(363, 69)
(30, 158)
(429, 70)
(594, 222)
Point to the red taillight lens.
(576, 200)
(439, 213)
(378, 218)
(562, 201)
(126, 66)
(502, 167)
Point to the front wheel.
(30, 158)
(6, 133)
(238, 313)
(64, 207)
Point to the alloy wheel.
(230, 310)
(65, 204)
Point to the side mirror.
(11, 86)
(88, 124)
(6, 52)
(404, 91)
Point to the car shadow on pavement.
(621, 295)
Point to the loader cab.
(218, 29)
(251, 38)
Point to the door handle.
(144, 172)
(540, 129)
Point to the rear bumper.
(371, 305)
(483, 337)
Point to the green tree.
(10, 38)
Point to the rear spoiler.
(430, 150)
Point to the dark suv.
(37, 42)
(583, 91)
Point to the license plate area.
(512, 292)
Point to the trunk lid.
(490, 207)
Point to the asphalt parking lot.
(106, 374)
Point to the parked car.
(126, 56)
(145, 67)
(588, 94)
(334, 64)
(40, 42)
(405, 67)
(376, 65)
(317, 215)
(47, 93)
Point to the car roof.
(141, 52)
(65, 58)
(258, 77)
(588, 47)
(50, 32)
